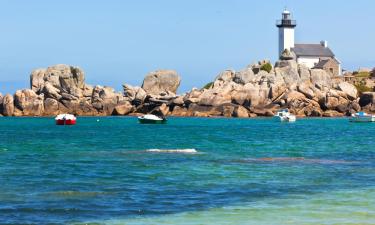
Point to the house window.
(331, 70)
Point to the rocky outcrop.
(161, 81)
(241, 112)
(321, 79)
(249, 92)
(51, 106)
(8, 105)
(348, 89)
(65, 91)
(64, 78)
(28, 103)
(123, 108)
(136, 95)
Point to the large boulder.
(80, 107)
(71, 77)
(255, 95)
(8, 105)
(287, 63)
(134, 94)
(225, 76)
(305, 89)
(161, 81)
(51, 107)
(349, 89)
(288, 69)
(304, 72)
(217, 95)
(321, 78)
(162, 110)
(204, 111)
(123, 108)
(244, 76)
(179, 111)
(192, 97)
(87, 90)
(262, 111)
(332, 113)
(104, 99)
(241, 112)
(241, 97)
(214, 99)
(50, 91)
(37, 80)
(294, 95)
(29, 102)
(331, 103)
(313, 109)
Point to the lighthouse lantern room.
(286, 31)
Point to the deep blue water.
(101, 170)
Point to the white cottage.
(311, 55)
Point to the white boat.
(284, 115)
(150, 118)
(362, 117)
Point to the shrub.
(208, 85)
(362, 88)
(266, 67)
(362, 74)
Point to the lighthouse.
(286, 31)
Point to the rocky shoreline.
(256, 90)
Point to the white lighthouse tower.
(286, 31)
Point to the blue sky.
(120, 41)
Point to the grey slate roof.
(317, 50)
(321, 63)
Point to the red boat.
(65, 119)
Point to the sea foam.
(180, 151)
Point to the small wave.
(74, 194)
(181, 151)
(295, 159)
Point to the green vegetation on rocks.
(266, 67)
(361, 74)
(208, 85)
(362, 88)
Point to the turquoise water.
(244, 171)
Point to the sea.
(113, 170)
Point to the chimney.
(324, 43)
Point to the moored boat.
(362, 117)
(151, 119)
(65, 119)
(284, 115)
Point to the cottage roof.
(317, 50)
(323, 62)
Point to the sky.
(120, 41)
